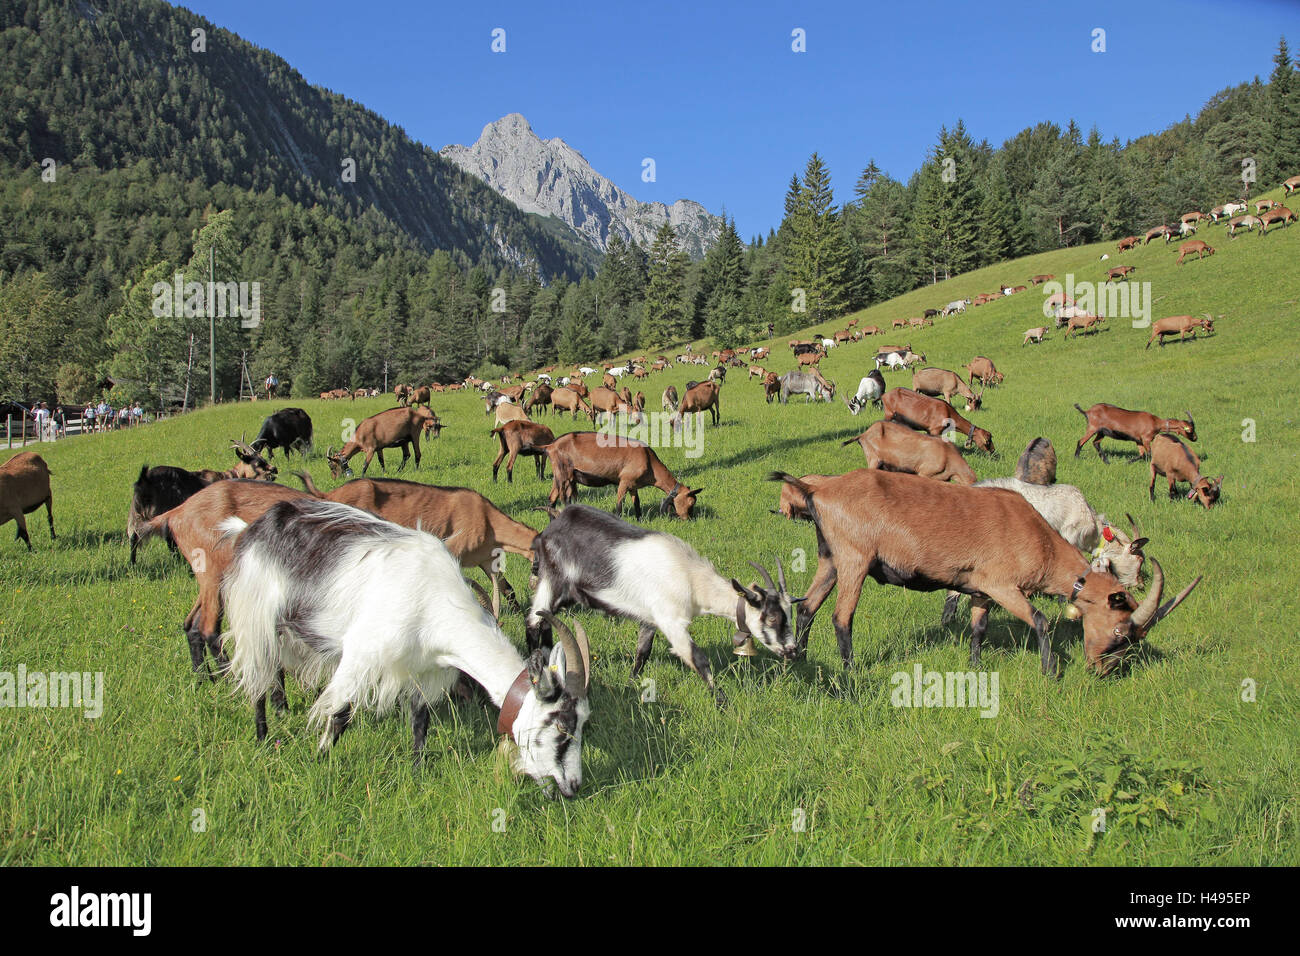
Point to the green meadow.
(1191, 757)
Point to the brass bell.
(745, 648)
(1072, 612)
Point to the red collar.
(514, 700)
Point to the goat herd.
(362, 588)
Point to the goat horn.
(1145, 617)
(763, 571)
(577, 655)
(1137, 528)
(780, 574)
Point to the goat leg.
(1050, 666)
(339, 723)
(259, 717)
(645, 639)
(278, 697)
(419, 728)
(979, 622)
(700, 663)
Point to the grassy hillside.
(1187, 770)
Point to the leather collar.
(1078, 586)
(514, 700)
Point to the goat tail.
(847, 441)
(1081, 411)
(308, 484)
(231, 527)
(253, 595)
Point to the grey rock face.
(552, 178)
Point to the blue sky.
(715, 94)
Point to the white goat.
(1066, 509)
(870, 389)
(588, 557)
(323, 588)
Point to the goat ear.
(545, 678)
(1138, 545)
(753, 599)
(696, 491)
(1120, 601)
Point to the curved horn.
(780, 575)
(577, 655)
(1144, 618)
(1137, 528)
(767, 578)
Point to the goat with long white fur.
(322, 588)
(588, 557)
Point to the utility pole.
(212, 326)
(385, 375)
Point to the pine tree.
(667, 305)
(946, 207)
(816, 254)
(1282, 145)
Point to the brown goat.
(1276, 214)
(1171, 458)
(521, 438)
(1202, 249)
(771, 386)
(989, 543)
(24, 487)
(567, 399)
(931, 415)
(669, 399)
(940, 381)
(1179, 325)
(1082, 323)
(1122, 424)
(984, 371)
(894, 447)
(699, 398)
(395, 428)
(541, 398)
(1129, 243)
(596, 460)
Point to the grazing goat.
(1122, 424)
(163, 487)
(324, 588)
(569, 399)
(540, 398)
(1202, 249)
(699, 397)
(1277, 214)
(1180, 325)
(771, 386)
(395, 428)
(941, 382)
(1171, 458)
(289, 428)
(24, 487)
(669, 399)
(474, 530)
(1040, 279)
(810, 384)
(1129, 242)
(957, 305)
(931, 415)
(1291, 184)
(595, 460)
(899, 358)
(869, 390)
(983, 370)
(589, 558)
(1156, 233)
(989, 543)
(894, 447)
(1082, 323)
(521, 438)
(1034, 335)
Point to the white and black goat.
(588, 557)
(322, 588)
